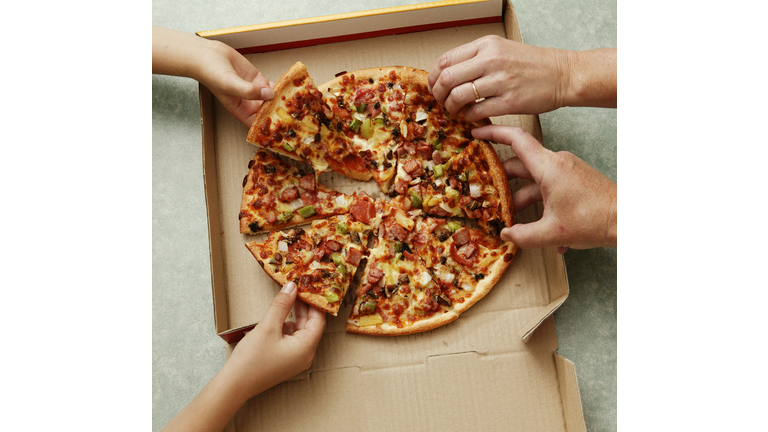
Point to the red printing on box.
(365, 35)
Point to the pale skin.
(272, 352)
(514, 78)
(232, 79)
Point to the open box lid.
(501, 353)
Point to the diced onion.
(282, 246)
(397, 86)
(296, 204)
(446, 207)
(421, 115)
(467, 287)
(439, 182)
(308, 140)
(490, 190)
(447, 277)
(359, 116)
(475, 190)
(423, 279)
(314, 265)
(322, 195)
(343, 201)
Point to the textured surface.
(186, 352)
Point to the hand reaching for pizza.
(272, 352)
(579, 203)
(235, 82)
(515, 78)
(277, 349)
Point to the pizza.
(426, 250)
(322, 259)
(277, 195)
(295, 123)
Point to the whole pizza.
(414, 261)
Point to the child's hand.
(276, 350)
(271, 353)
(235, 82)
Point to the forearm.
(591, 78)
(212, 408)
(176, 53)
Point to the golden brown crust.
(492, 277)
(500, 182)
(255, 249)
(385, 329)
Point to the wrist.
(592, 80)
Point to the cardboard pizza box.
(494, 368)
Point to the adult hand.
(579, 203)
(515, 78)
(235, 82)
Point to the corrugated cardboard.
(488, 370)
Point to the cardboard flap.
(357, 25)
(569, 392)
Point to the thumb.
(531, 235)
(256, 90)
(281, 306)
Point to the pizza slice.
(466, 263)
(470, 183)
(371, 107)
(321, 260)
(277, 196)
(397, 295)
(295, 124)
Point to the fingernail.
(267, 93)
(288, 288)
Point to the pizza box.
(494, 368)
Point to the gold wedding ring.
(477, 96)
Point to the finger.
(458, 97)
(532, 235)
(314, 326)
(281, 307)
(300, 309)
(257, 89)
(461, 73)
(514, 168)
(491, 106)
(533, 155)
(289, 327)
(450, 58)
(526, 196)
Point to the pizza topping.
(353, 256)
(375, 275)
(307, 211)
(363, 211)
(461, 236)
(289, 195)
(307, 182)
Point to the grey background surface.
(186, 352)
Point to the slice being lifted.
(293, 124)
(277, 196)
(397, 295)
(321, 260)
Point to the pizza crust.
(500, 182)
(386, 329)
